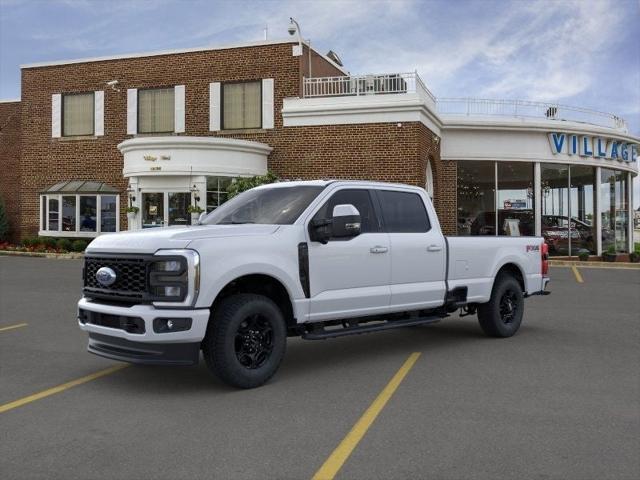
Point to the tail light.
(544, 258)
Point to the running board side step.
(322, 333)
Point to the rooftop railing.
(528, 109)
(402, 83)
(357, 85)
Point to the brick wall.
(10, 162)
(445, 180)
(47, 160)
(381, 151)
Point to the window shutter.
(132, 111)
(214, 106)
(56, 115)
(98, 111)
(267, 103)
(179, 108)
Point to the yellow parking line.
(11, 327)
(334, 463)
(577, 274)
(60, 388)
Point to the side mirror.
(346, 221)
(201, 217)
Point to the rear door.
(418, 252)
(350, 277)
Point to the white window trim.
(77, 233)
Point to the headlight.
(174, 278)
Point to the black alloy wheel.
(502, 315)
(254, 341)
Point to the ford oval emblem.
(106, 276)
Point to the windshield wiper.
(233, 222)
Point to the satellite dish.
(333, 56)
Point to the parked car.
(316, 259)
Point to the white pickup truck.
(314, 259)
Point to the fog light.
(167, 325)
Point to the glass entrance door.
(178, 204)
(153, 210)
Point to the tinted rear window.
(403, 212)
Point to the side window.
(361, 199)
(403, 212)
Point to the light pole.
(294, 27)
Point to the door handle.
(378, 249)
(434, 248)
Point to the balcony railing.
(365, 85)
(402, 83)
(528, 109)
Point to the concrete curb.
(611, 265)
(59, 256)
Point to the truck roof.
(324, 183)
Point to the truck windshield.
(273, 206)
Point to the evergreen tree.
(4, 222)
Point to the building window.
(108, 213)
(241, 105)
(78, 215)
(476, 198)
(78, 114)
(581, 205)
(554, 180)
(156, 110)
(515, 199)
(217, 191)
(614, 210)
(69, 213)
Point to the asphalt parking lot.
(561, 399)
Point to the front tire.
(502, 315)
(246, 340)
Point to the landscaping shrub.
(583, 255)
(65, 244)
(28, 242)
(48, 242)
(242, 184)
(79, 245)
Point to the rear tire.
(246, 340)
(502, 315)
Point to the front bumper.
(143, 344)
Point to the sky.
(583, 53)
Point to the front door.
(350, 277)
(178, 204)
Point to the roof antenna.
(266, 33)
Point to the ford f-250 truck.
(315, 259)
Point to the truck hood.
(152, 239)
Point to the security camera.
(292, 29)
(112, 83)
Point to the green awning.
(81, 186)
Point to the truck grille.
(131, 278)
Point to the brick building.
(161, 131)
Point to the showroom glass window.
(241, 105)
(217, 191)
(581, 205)
(614, 210)
(555, 207)
(69, 215)
(476, 198)
(156, 110)
(568, 206)
(78, 114)
(515, 199)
